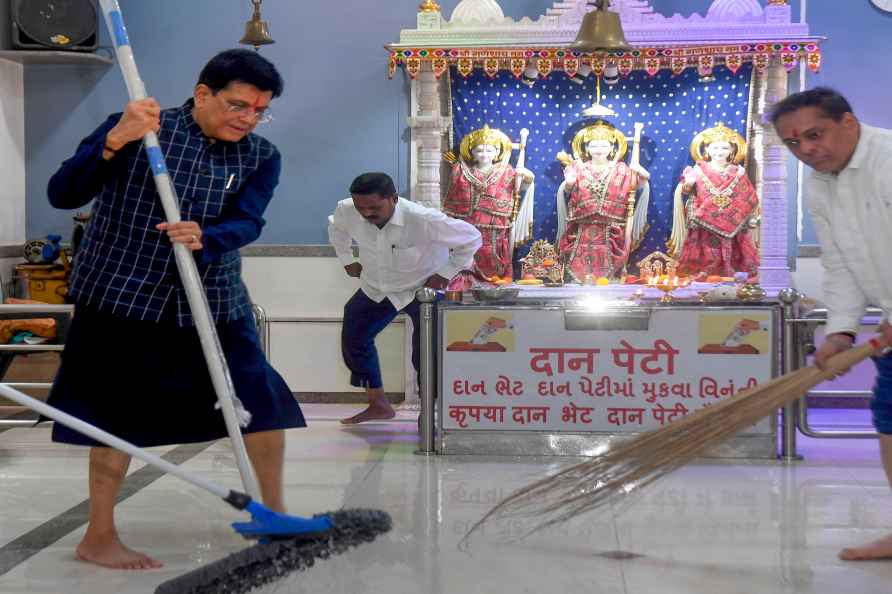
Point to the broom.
(638, 462)
(287, 543)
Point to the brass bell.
(601, 30)
(256, 30)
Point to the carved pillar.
(771, 156)
(428, 126)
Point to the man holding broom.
(133, 363)
(850, 199)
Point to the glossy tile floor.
(711, 528)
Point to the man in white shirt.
(849, 195)
(403, 246)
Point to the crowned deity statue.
(599, 222)
(713, 229)
(486, 191)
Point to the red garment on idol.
(487, 202)
(719, 241)
(594, 241)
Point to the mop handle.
(110, 440)
(198, 304)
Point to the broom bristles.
(638, 462)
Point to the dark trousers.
(363, 321)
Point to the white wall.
(307, 353)
(12, 153)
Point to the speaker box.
(62, 25)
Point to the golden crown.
(485, 135)
(720, 132)
(600, 130)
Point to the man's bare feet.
(878, 549)
(378, 410)
(111, 553)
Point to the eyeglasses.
(262, 116)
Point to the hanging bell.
(256, 30)
(601, 30)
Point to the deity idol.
(486, 191)
(598, 224)
(712, 231)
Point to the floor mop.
(632, 465)
(234, 414)
(287, 543)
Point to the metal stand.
(790, 298)
(427, 373)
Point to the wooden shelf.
(56, 57)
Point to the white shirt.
(852, 214)
(416, 243)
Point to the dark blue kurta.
(133, 363)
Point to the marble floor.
(710, 528)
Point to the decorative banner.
(678, 65)
(814, 61)
(705, 65)
(734, 62)
(652, 66)
(625, 66)
(491, 67)
(512, 369)
(760, 61)
(675, 58)
(391, 66)
(439, 66)
(789, 60)
(518, 65)
(465, 66)
(545, 66)
(413, 67)
(598, 64)
(571, 66)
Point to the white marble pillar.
(428, 125)
(771, 156)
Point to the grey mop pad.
(264, 563)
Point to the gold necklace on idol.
(721, 198)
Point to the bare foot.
(878, 549)
(113, 554)
(375, 412)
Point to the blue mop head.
(267, 524)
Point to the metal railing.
(261, 321)
(801, 330)
(30, 310)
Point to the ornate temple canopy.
(733, 32)
(478, 35)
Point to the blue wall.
(334, 123)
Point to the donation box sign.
(523, 370)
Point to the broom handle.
(842, 361)
(198, 304)
(110, 440)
